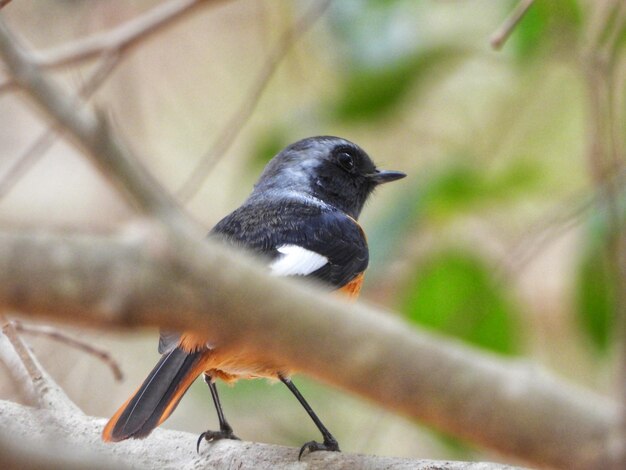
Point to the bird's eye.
(346, 161)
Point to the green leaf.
(453, 293)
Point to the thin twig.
(48, 393)
(47, 138)
(240, 117)
(61, 337)
(9, 330)
(91, 131)
(4, 3)
(119, 40)
(501, 35)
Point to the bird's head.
(330, 169)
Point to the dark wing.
(295, 238)
(318, 230)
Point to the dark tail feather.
(157, 397)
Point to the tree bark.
(35, 438)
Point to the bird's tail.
(157, 397)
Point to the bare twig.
(119, 40)
(47, 138)
(91, 131)
(240, 117)
(499, 37)
(48, 393)
(55, 334)
(33, 370)
(122, 38)
(4, 3)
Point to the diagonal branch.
(498, 38)
(129, 282)
(91, 133)
(48, 394)
(117, 41)
(122, 38)
(63, 338)
(47, 138)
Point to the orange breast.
(353, 288)
(230, 366)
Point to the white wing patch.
(296, 261)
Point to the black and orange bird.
(302, 219)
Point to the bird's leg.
(330, 443)
(225, 432)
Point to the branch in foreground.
(505, 405)
(70, 441)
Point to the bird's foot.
(212, 436)
(314, 446)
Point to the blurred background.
(495, 237)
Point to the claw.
(211, 436)
(314, 446)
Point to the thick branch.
(78, 441)
(505, 405)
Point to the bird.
(301, 219)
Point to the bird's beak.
(385, 176)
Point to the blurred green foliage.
(543, 23)
(372, 93)
(454, 292)
(464, 185)
(596, 283)
(595, 296)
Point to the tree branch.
(498, 38)
(78, 440)
(91, 133)
(505, 405)
(46, 139)
(59, 336)
(122, 38)
(47, 393)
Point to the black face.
(331, 169)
